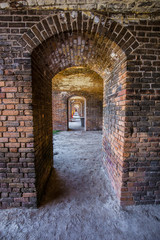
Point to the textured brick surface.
(114, 6)
(124, 52)
(42, 122)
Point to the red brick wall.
(142, 138)
(59, 111)
(114, 125)
(133, 98)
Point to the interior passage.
(76, 113)
(75, 123)
(111, 58)
(79, 202)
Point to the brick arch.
(59, 101)
(105, 46)
(76, 39)
(131, 103)
(90, 27)
(67, 50)
(82, 97)
(79, 22)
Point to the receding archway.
(77, 113)
(77, 81)
(104, 47)
(112, 67)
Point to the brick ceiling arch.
(77, 78)
(81, 22)
(79, 38)
(59, 53)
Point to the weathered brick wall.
(97, 42)
(142, 140)
(113, 6)
(17, 172)
(42, 123)
(114, 125)
(94, 109)
(94, 112)
(59, 111)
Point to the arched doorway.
(82, 82)
(104, 46)
(110, 64)
(76, 113)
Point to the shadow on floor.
(55, 189)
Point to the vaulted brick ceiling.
(78, 79)
(114, 6)
(98, 54)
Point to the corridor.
(76, 124)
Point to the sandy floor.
(82, 206)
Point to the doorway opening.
(67, 58)
(77, 96)
(76, 113)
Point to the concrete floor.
(81, 205)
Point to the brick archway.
(78, 81)
(90, 40)
(62, 41)
(79, 22)
(82, 102)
